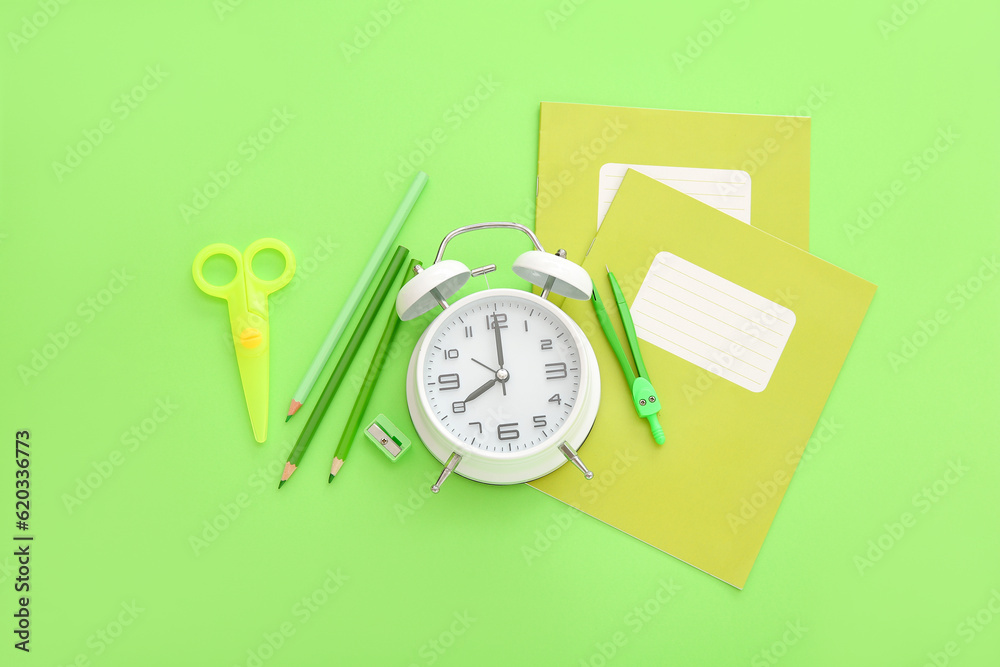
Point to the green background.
(368, 571)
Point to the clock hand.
(496, 331)
(492, 370)
(501, 380)
(482, 390)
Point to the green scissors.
(247, 297)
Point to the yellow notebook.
(743, 335)
(753, 168)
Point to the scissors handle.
(246, 287)
(265, 287)
(198, 270)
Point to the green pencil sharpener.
(387, 438)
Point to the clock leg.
(449, 467)
(574, 459)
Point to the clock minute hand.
(481, 390)
(496, 331)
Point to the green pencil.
(354, 298)
(351, 429)
(388, 278)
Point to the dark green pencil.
(378, 361)
(388, 278)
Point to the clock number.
(496, 319)
(508, 431)
(526, 325)
(451, 353)
(468, 332)
(554, 371)
(555, 399)
(546, 343)
(540, 421)
(458, 407)
(451, 381)
(479, 424)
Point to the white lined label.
(711, 322)
(726, 190)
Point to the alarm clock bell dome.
(431, 286)
(555, 274)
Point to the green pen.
(644, 397)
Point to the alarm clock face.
(501, 373)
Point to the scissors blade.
(253, 356)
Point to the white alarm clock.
(503, 387)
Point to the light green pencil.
(367, 275)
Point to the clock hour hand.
(482, 390)
(503, 382)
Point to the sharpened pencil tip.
(331, 479)
(293, 407)
(282, 483)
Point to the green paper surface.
(133, 135)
